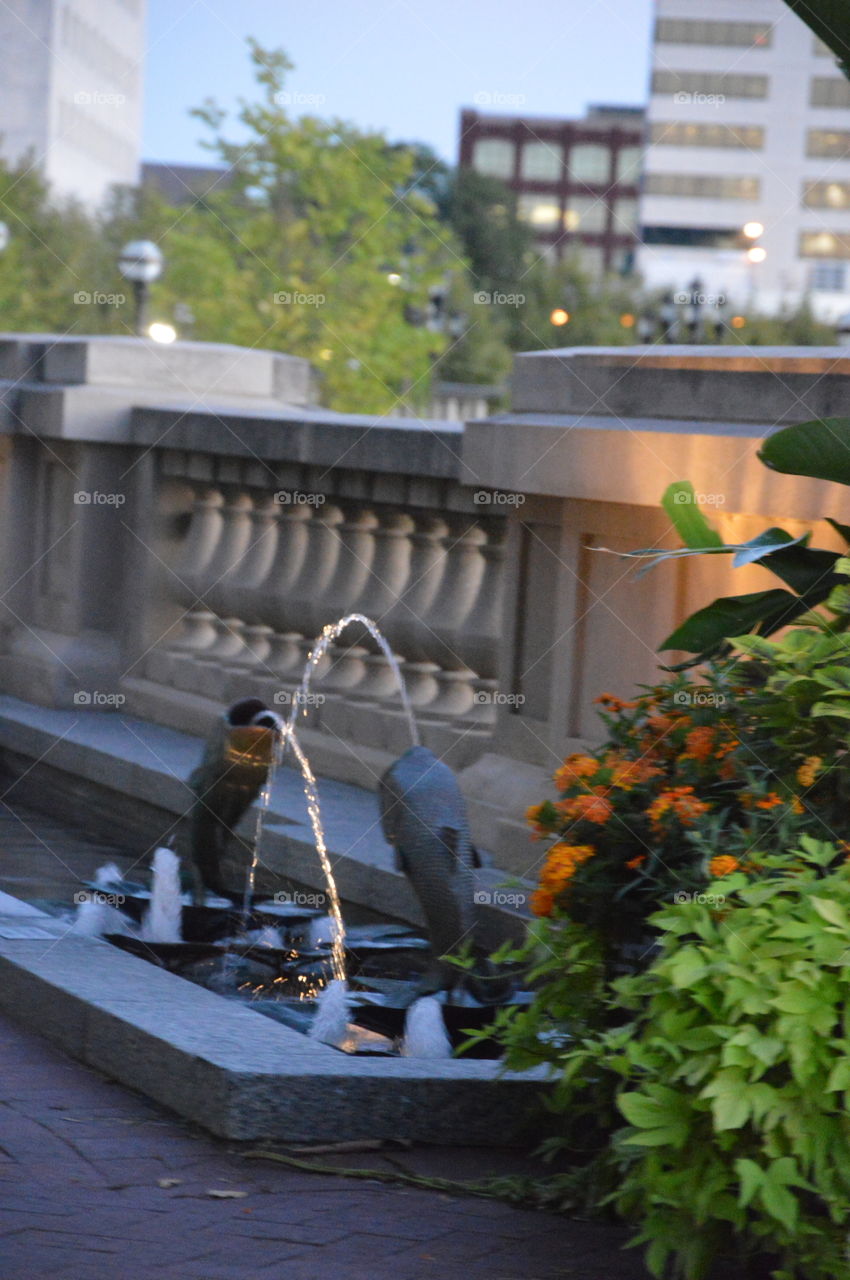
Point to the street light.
(4, 236)
(140, 262)
(752, 230)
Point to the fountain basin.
(233, 1071)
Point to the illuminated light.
(757, 254)
(161, 332)
(394, 278)
(627, 321)
(326, 354)
(737, 322)
(559, 316)
(752, 230)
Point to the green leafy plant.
(734, 1076)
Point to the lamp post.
(4, 236)
(140, 262)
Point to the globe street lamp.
(140, 262)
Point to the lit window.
(702, 186)
(824, 244)
(494, 157)
(541, 212)
(585, 214)
(541, 162)
(828, 142)
(671, 133)
(826, 195)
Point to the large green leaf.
(807, 570)
(681, 504)
(759, 548)
(820, 449)
(732, 616)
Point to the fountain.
(162, 920)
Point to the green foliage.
(733, 1076)
(820, 449)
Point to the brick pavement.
(83, 1160)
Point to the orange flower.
(542, 902)
(682, 802)
(634, 863)
(699, 744)
(574, 769)
(532, 817)
(592, 807)
(809, 770)
(770, 801)
(797, 805)
(614, 704)
(631, 773)
(723, 865)
(561, 864)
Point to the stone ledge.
(236, 1073)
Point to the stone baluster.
(245, 594)
(390, 573)
(478, 637)
(455, 600)
(320, 562)
(197, 631)
(225, 567)
(345, 666)
(406, 621)
(285, 573)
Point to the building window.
(832, 91)
(671, 133)
(585, 214)
(828, 142)
(494, 157)
(826, 195)
(541, 212)
(697, 86)
(829, 277)
(824, 244)
(705, 186)
(590, 162)
(629, 165)
(541, 162)
(699, 31)
(624, 216)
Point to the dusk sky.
(404, 67)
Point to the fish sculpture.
(232, 772)
(423, 816)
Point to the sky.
(403, 67)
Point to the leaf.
(750, 1176)
(843, 565)
(644, 1112)
(733, 616)
(820, 449)
(680, 503)
(779, 1202)
(765, 544)
(831, 911)
(830, 709)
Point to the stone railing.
(179, 523)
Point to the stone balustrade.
(179, 523)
